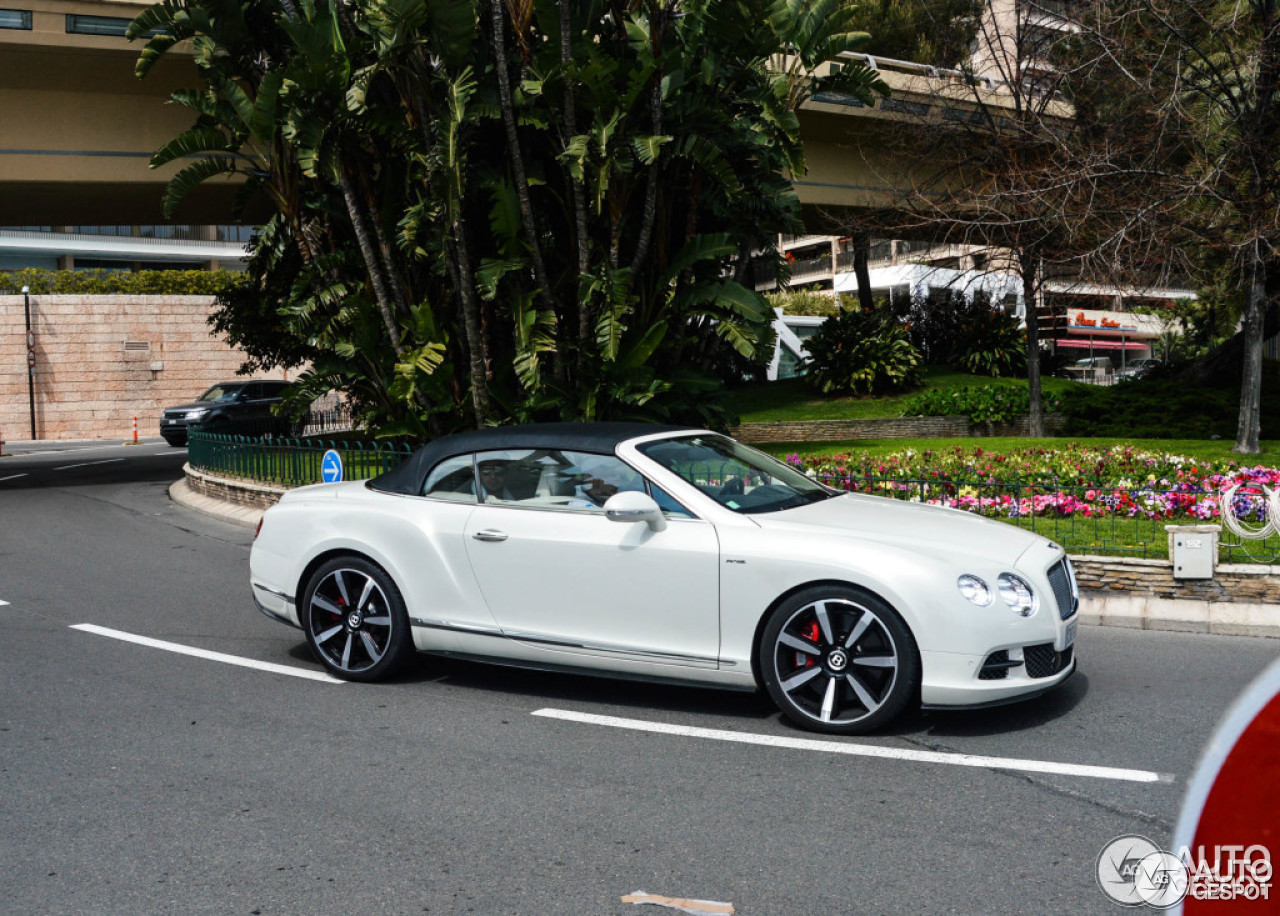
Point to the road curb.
(186, 496)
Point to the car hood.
(916, 526)
(194, 405)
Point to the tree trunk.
(579, 194)
(1029, 266)
(651, 187)
(477, 358)
(370, 261)
(1248, 427)
(862, 254)
(384, 247)
(517, 157)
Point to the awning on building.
(1100, 344)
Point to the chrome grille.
(1064, 591)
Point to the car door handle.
(488, 534)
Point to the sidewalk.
(44, 446)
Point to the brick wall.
(884, 428)
(87, 384)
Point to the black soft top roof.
(601, 438)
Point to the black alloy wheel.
(355, 620)
(839, 660)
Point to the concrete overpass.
(79, 128)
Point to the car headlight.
(975, 590)
(196, 414)
(1017, 594)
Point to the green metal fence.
(289, 462)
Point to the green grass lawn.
(791, 399)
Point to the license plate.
(1071, 636)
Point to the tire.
(839, 660)
(355, 620)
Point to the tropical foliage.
(992, 343)
(862, 352)
(512, 209)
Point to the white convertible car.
(672, 554)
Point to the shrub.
(1164, 409)
(119, 282)
(937, 322)
(992, 343)
(803, 302)
(857, 352)
(984, 404)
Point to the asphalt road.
(137, 780)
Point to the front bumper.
(1005, 674)
(174, 428)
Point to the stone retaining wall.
(233, 490)
(886, 428)
(1239, 600)
(102, 360)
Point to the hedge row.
(119, 282)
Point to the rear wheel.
(355, 620)
(838, 659)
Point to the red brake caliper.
(810, 632)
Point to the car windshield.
(221, 393)
(737, 477)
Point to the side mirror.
(633, 506)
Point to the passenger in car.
(493, 482)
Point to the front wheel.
(839, 660)
(355, 620)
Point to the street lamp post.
(31, 360)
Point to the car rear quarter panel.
(418, 542)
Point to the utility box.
(1193, 550)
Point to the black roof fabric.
(602, 438)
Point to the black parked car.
(229, 407)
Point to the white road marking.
(4, 603)
(861, 750)
(67, 467)
(13, 477)
(68, 450)
(206, 654)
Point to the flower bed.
(1120, 482)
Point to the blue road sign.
(331, 467)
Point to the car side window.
(453, 479)
(667, 503)
(553, 479)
